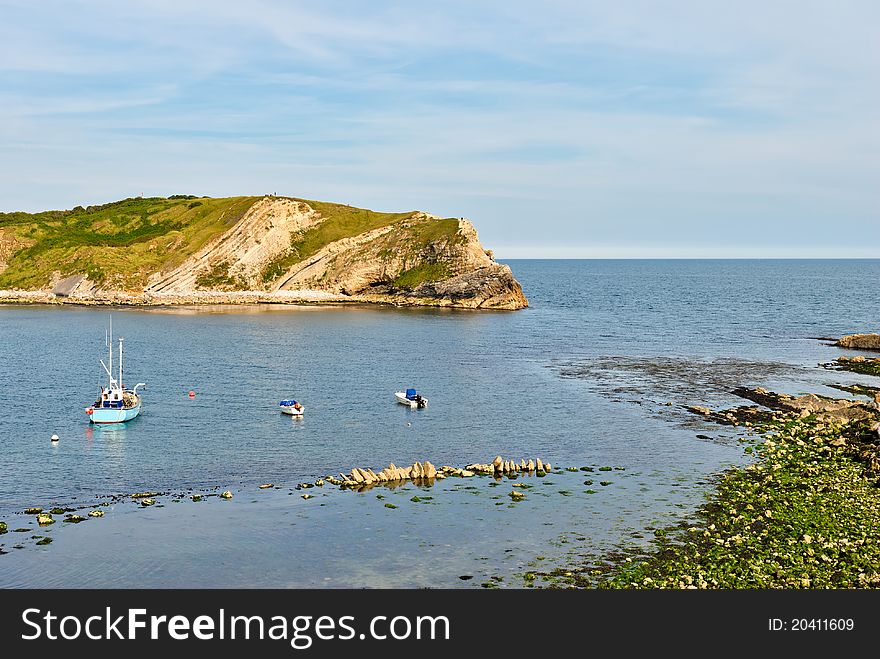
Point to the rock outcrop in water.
(184, 250)
(820, 407)
(859, 341)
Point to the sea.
(594, 377)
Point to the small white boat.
(411, 398)
(291, 407)
(115, 403)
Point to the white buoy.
(55, 438)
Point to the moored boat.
(115, 403)
(291, 407)
(411, 397)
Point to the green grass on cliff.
(119, 243)
(340, 221)
(420, 274)
(346, 221)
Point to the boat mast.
(120, 362)
(110, 350)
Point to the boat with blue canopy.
(411, 397)
(291, 407)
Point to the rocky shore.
(804, 514)
(857, 364)
(178, 299)
(488, 288)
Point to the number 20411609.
(811, 624)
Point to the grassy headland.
(120, 244)
(123, 241)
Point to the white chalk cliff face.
(260, 236)
(413, 259)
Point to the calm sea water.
(573, 379)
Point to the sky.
(562, 129)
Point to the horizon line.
(687, 258)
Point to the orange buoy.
(192, 394)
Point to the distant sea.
(596, 372)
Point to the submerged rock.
(148, 502)
(3, 527)
(44, 519)
(96, 513)
(266, 486)
(196, 497)
(74, 519)
(226, 495)
(32, 511)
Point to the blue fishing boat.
(115, 403)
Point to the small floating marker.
(192, 394)
(55, 438)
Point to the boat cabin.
(110, 397)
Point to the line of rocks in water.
(422, 473)
(359, 477)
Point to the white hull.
(292, 411)
(403, 400)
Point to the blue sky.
(562, 129)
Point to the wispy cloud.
(568, 128)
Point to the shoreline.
(804, 514)
(240, 298)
